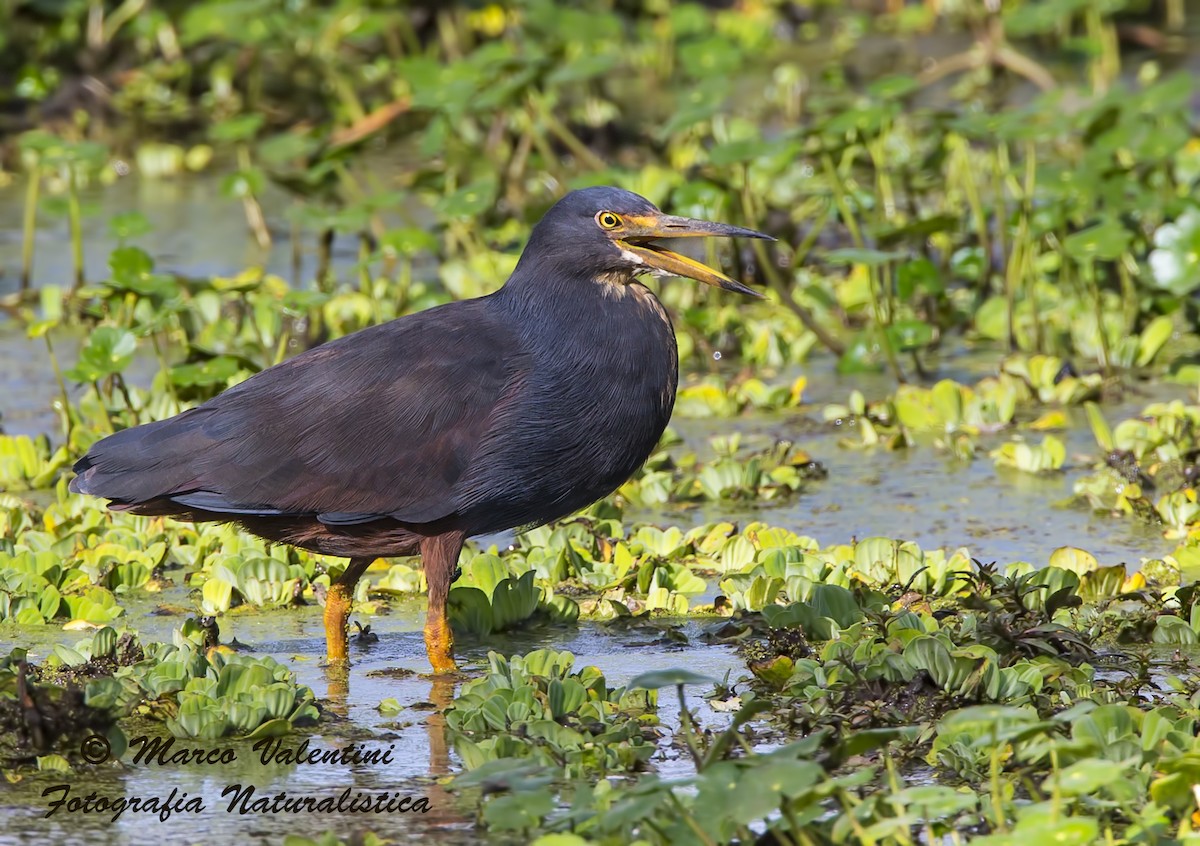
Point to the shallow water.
(196, 231)
(419, 755)
(926, 495)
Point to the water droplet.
(717, 355)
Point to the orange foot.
(439, 643)
(337, 617)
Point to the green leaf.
(237, 128)
(1105, 241)
(53, 763)
(126, 225)
(68, 655)
(1157, 332)
(656, 679)
(745, 150)
(271, 728)
(861, 255)
(836, 603)
(514, 601)
(469, 202)
(216, 596)
(1100, 428)
(214, 371)
(919, 275)
(470, 611)
(906, 335)
(389, 707)
(583, 68)
(935, 801)
(1085, 777)
(104, 642)
(108, 351)
(1078, 561)
(243, 183)
(814, 625)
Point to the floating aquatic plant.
(28, 463)
(536, 707)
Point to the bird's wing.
(383, 422)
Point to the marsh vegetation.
(917, 560)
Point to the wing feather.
(382, 422)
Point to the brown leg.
(440, 556)
(337, 609)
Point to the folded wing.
(384, 422)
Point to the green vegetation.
(197, 691)
(535, 707)
(990, 236)
(1030, 694)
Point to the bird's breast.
(596, 394)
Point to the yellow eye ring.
(608, 220)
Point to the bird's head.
(610, 235)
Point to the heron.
(509, 410)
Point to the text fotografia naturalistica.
(242, 801)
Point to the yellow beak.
(639, 231)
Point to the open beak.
(641, 230)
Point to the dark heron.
(513, 409)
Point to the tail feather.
(145, 463)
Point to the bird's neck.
(560, 314)
(550, 295)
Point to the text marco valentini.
(241, 801)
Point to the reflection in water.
(446, 811)
(337, 678)
(441, 694)
(441, 697)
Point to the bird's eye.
(608, 220)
